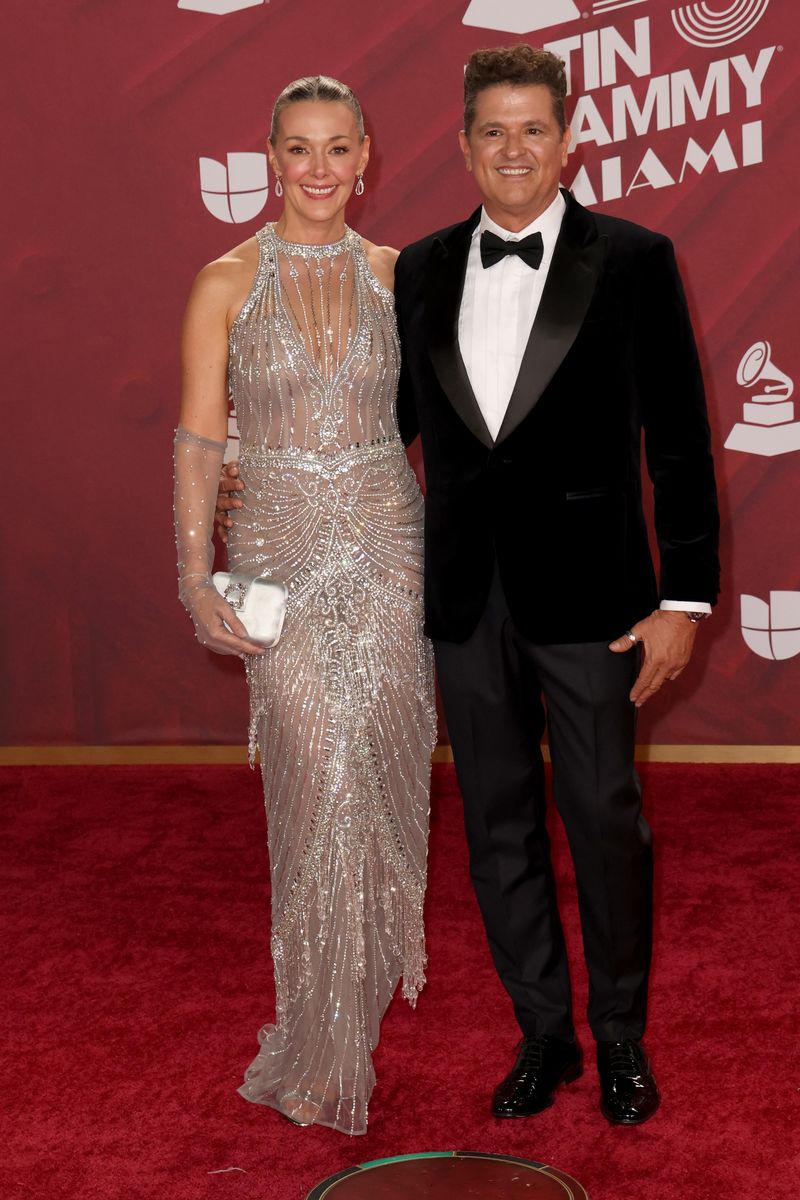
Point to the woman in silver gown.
(298, 324)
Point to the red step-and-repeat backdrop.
(135, 153)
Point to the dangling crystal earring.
(278, 187)
(360, 186)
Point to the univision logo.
(772, 630)
(237, 192)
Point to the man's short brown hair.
(521, 66)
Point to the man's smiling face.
(516, 150)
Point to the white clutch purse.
(259, 603)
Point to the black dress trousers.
(493, 686)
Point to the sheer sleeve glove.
(198, 462)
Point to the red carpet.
(137, 974)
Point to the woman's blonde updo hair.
(316, 87)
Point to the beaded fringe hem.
(296, 1110)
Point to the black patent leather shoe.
(628, 1091)
(542, 1064)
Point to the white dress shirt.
(498, 307)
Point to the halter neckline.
(312, 250)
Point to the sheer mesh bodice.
(342, 708)
(314, 356)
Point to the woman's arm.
(204, 354)
(199, 449)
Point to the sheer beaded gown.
(342, 710)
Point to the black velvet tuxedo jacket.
(556, 499)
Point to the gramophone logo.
(220, 7)
(237, 192)
(772, 630)
(768, 426)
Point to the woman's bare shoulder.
(381, 261)
(226, 282)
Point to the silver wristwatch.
(695, 617)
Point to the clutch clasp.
(236, 594)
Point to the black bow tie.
(493, 249)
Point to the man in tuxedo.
(539, 340)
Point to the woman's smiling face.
(318, 155)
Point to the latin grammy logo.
(768, 426)
(526, 16)
(704, 24)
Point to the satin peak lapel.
(445, 284)
(571, 281)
